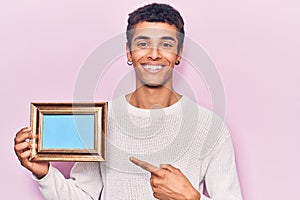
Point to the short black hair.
(156, 12)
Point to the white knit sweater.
(184, 134)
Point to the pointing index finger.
(144, 165)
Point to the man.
(154, 123)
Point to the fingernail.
(131, 158)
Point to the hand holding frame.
(22, 149)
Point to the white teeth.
(153, 67)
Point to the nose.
(154, 53)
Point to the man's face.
(154, 53)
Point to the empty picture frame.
(69, 131)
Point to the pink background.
(254, 45)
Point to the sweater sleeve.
(221, 178)
(85, 183)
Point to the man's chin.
(153, 85)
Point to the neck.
(153, 97)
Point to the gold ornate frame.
(99, 112)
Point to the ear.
(128, 53)
(179, 55)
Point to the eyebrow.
(168, 38)
(141, 37)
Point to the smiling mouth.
(153, 68)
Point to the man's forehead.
(154, 29)
(154, 33)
